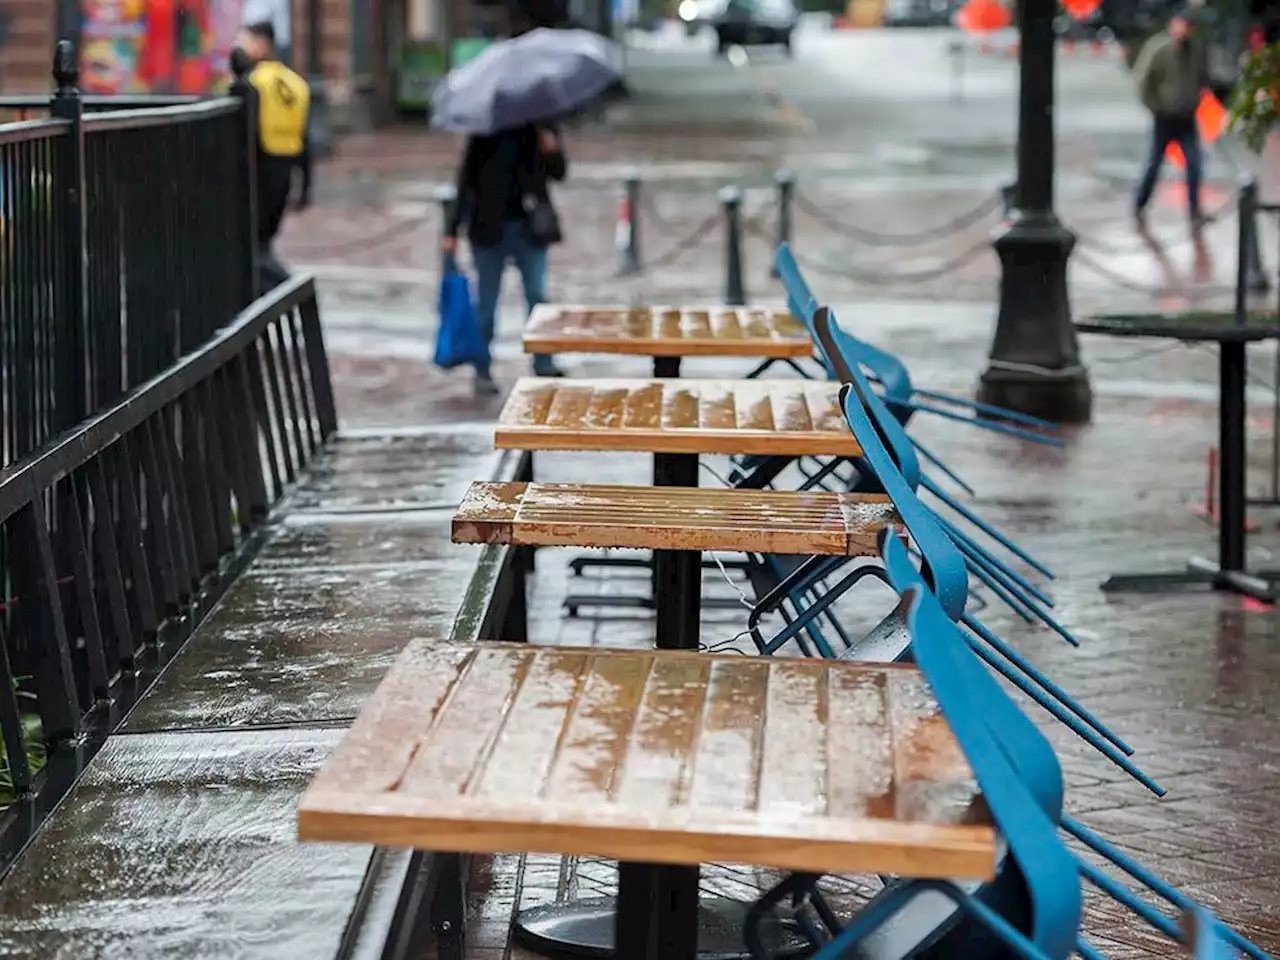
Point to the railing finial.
(66, 68)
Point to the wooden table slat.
(673, 518)
(661, 331)
(782, 417)
(658, 757)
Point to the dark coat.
(497, 172)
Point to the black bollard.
(447, 196)
(1253, 275)
(785, 181)
(735, 294)
(627, 239)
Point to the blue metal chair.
(985, 719)
(1019, 594)
(946, 573)
(900, 394)
(1046, 926)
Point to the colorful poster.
(157, 46)
(112, 40)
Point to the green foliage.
(33, 733)
(1255, 103)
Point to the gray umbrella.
(536, 76)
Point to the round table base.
(584, 928)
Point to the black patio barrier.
(117, 536)
(127, 240)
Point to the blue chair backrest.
(1023, 743)
(944, 566)
(887, 368)
(1047, 866)
(844, 363)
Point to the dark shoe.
(547, 370)
(485, 386)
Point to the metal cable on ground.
(874, 238)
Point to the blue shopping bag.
(458, 340)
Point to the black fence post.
(1253, 276)
(247, 175)
(735, 294)
(785, 181)
(627, 239)
(74, 360)
(447, 196)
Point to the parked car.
(748, 23)
(696, 14)
(919, 13)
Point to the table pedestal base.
(584, 928)
(1200, 573)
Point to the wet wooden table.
(668, 333)
(676, 420)
(662, 760)
(674, 520)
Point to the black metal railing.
(117, 535)
(164, 198)
(127, 241)
(36, 359)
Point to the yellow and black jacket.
(284, 112)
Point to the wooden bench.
(662, 760)
(667, 333)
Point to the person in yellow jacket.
(284, 112)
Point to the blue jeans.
(490, 262)
(1165, 131)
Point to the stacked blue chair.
(946, 568)
(1032, 908)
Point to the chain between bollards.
(735, 294)
(785, 181)
(627, 238)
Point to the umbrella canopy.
(535, 76)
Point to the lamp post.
(1035, 365)
(321, 133)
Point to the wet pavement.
(218, 752)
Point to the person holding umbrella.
(507, 100)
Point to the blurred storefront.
(157, 46)
(381, 58)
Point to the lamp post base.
(1035, 360)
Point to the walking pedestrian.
(505, 204)
(284, 110)
(1171, 71)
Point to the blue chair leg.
(994, 564)
(951, 474)
(1149, 879)
(1005, 414)
(993, 426)
(986, 528)
(1031, 670)
(1063, 716)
